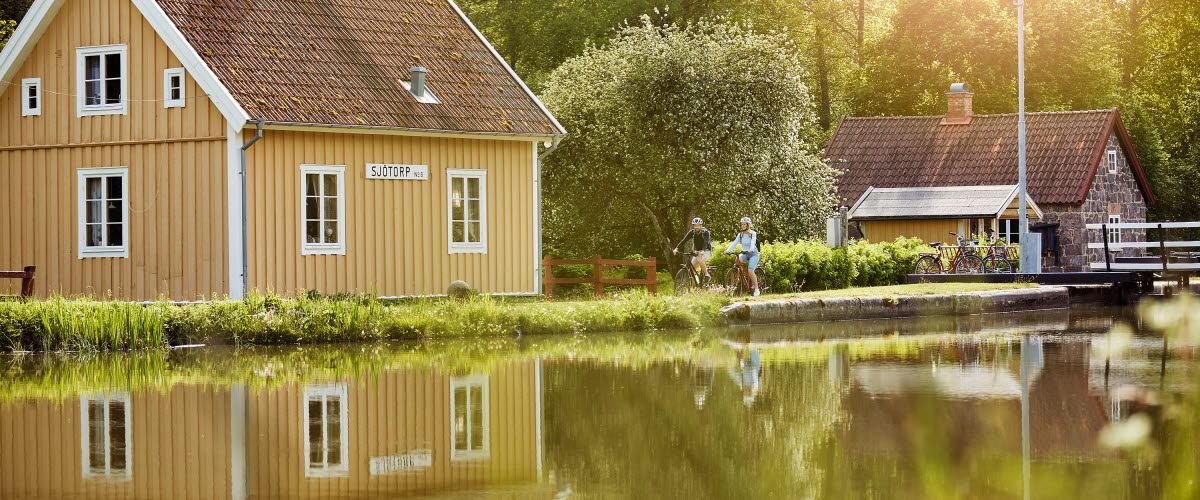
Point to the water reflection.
(1004, 406)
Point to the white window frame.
(85, 437)
(466, 247)
(338, 248)
(36, 85)
(1112, 160)
(168, 102)
(82, 108)
(324, 393)
(479, 382)
(1114, 233)
(85, 251)
(1009, 236)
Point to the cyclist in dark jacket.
(702, 245)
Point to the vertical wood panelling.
(179, 448)
(926, 230)
(396, 237)
(176, 193)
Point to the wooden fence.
(26, 278)
(597, 279)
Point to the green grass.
(86, 325)
(896, 290)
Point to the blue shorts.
(751, 259)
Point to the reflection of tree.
(639, 434)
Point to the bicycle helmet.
(746, 220)
(698, 220)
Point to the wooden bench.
(1167, 263)
(26, 278)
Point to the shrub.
(810, 265)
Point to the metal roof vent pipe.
(416, 78)
(958, 105)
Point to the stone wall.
(1110, 194)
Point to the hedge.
(810, 265)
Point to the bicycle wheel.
(997, 264)
(762, 280)
(684, 281)
(927, 264)
(734, 280)
(968, 264)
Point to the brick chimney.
(958, 105)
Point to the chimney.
(958, 105)
(416, 80)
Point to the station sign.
(395, 171)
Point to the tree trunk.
(824, 106)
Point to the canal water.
(997, 406)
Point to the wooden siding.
(396, 230)
(926, 230)
(395, 413)
(179, 448)
(176, 159)
(81, 23)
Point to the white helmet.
(746, 220)
(698, 220)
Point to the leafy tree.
(6, 30)
(668, 123)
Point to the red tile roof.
(340, 62)
(1063, 151)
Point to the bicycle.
(963, 260)
(686, 277)
(739, 280)
(997, 260)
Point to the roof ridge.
(1038, 113)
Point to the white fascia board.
(205, 78)
(36, 20)
(508, 68)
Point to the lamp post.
(1031, 250)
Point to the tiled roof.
(1063, 151)
(340, 62)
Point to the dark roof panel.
(340, 62)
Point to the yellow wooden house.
(932, 213)
(188, 149)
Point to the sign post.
(1031, 255)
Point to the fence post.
(652, 274)
(1107, 256)
(547, 288)
(27, 282)
(1162, 248)
(597, 286)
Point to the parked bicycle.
(686, 278)
(963, 259)
(738, 279)
(998, 258)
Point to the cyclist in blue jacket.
(748, 239)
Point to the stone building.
(1082, 168)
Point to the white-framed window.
(323, 209)
(102, 76)
(326, 431)
(1114, 233)
(173, 92)
(1010, 230)
(31, 96)
(1112, 160)
(467, 210)
(104, 436)
(104, 212)
(470, 424)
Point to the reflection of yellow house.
(399, 432)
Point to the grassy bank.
(86, 325)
